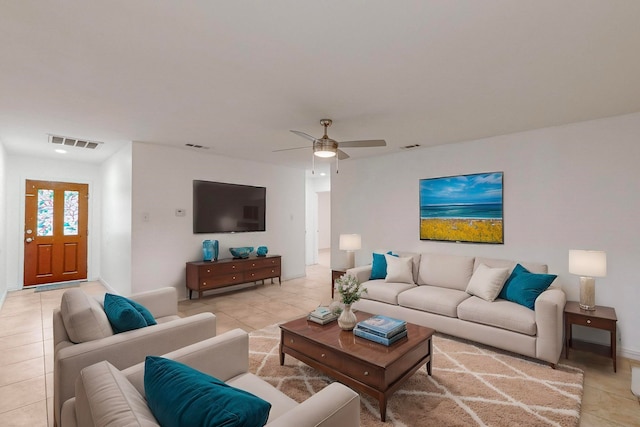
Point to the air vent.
(409, 147)
(200, 147)
(73, 142)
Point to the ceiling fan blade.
(364, 143)
(288, 149)
(342, 155)
(304, 135)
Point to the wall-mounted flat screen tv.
(219, 207)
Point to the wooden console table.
(207, 275)
(336, 273)
(600, 318)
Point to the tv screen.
(219, 207)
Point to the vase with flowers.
(350, 291)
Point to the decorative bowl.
(242, 252)
(262, 251)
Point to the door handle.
(29, 240)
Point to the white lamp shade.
(588, 263)
(350, 242)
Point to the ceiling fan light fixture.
(325, 149)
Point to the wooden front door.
(55, 233)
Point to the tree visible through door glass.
(70, 213)
(45, 212)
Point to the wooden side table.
(600, 318)
(336, 273)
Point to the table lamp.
(350, 243)
(587, 265)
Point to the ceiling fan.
(326, 147)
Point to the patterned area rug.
(472, 385)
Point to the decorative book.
(383, 326)
(377, 338)
(322, 313)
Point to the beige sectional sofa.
(437, 298)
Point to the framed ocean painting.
(462, 208)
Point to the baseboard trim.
(629, 354)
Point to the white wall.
(567, 187)
(115, 260)
(162, 183)
(21, 168)
(324, 220)
(3, 224)
(313, 186)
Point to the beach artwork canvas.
(462, 208)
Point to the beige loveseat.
(106, 396)
(83, 336)
(437, 298)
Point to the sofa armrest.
(160, 302)
(334, 405)
(549, 309)
(224, 356)
(124, 350)
(362, 273)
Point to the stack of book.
(322, 315)
(381, 329)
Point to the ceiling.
(236, 76)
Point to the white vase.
(347, 319)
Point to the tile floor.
(26, 349)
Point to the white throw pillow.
(399, 270)
(486, 282)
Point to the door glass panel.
(70, 213)
(45, 212)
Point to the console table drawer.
(263, 273)
(592, 322)
(257, 264)
(221, 280)
(367, 374)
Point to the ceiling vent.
(74, 142)
(200, 147)
(409, 147)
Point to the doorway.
(55, 234)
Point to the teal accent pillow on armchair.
(180, 396)
(523, 287)
(122, 314)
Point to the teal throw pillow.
(379, 266)
(121, 314)
(148, 317)
(523, 287)
(179, 396)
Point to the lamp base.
(587, 293)
(351, 259)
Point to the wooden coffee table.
(361, 364)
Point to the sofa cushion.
(399, 270)
(122, 315)
(445, 271)
(415, 258)
(487, 282)
(379, 266)
(533, 267)
(499, 313)
(83, 317)
(110, 399)
(379, 290)
(433, 299)
(146, 314)
(179, 395)
(523, 287)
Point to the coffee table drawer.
(357, 369)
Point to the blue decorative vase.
(216, 248)
(262, 251)
(207, 250)
(242, 252)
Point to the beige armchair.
(107, 396)
(82, 336)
